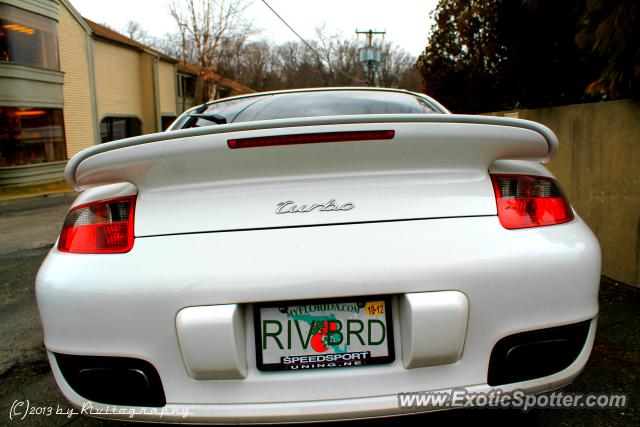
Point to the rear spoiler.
(74, 163)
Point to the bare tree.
(398, 68)
(256, 66)
(171, 44)
(341, 56)
(329, 60)
(134, 31)
(212, 34)
(209, 28)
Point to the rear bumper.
(305, 411)
(126, 305)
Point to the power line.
(291, 28)
(347, 75)
(246, 22)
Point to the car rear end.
(312, 269)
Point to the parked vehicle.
(307, 255)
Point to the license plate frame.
(279, 367)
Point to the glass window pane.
(314, 104)
(28, 39)
(112, 128)
(119, 128)
(333, 103)
(166, 121)
(105, 131)
(190, 87)
(31, 135)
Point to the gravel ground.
(28, 228)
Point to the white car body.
(420, 227)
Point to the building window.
(166, 121)
(112, 128)
(31, 135)
(223, 92)
(28, 39)
(186, 86)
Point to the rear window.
(314, 104)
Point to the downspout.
(176, 82)
(156, 93)
(92, 89)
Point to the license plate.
(323, 334)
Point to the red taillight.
(529, 201)
(311, 138)
(99, 227)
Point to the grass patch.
(12, 191)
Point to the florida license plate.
(323, 334)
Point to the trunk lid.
(190, 181)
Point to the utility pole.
(370, 56)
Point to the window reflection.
(112, 128)
(27, 38)
(31, 135)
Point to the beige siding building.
(79, 120)
(118, 80)
(67, 83)
(135, 85)
(167, 84)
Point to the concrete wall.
(77, 91)
(598, 165)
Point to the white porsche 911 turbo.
(308, 255)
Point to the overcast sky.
(406, 21)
